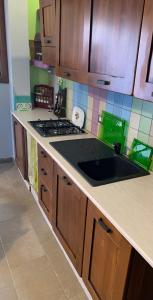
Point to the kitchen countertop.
(127, 204)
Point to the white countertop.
(127, 204)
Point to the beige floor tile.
(5, 275)
(8, 293)
(36, 280)
(82, 296)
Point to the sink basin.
(111, 169)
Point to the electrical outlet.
(100, 119)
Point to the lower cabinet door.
(69, 216)
(106, 257)
(45, 199)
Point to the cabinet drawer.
(45, 199)
(45, 167)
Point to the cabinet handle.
(104, 226)
(43, 153)
(67, 74)
(66, 180)
(103, 82)
(44, 172)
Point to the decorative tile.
(96, 104)
(145, 125)
(109, 108)
(126, 115)
(110, 97)
(23, 106)
(134, 120)
(132, 133)
(102, 106)
(137, 105)
(117, 111)
(151, 130)
(143, 137)
(147, 109)
(127, 102)
(90, 102)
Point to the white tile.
(135, 121)
(151, 131)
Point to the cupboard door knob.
(104, 226)
(66, 180)
(103, 82)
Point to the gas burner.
(48, 128)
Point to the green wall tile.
(147, 109)
(145, 125)
(137, 105)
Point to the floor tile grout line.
(13, 281)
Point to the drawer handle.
(44, 189)
(103, 82)
(44, 172)
(43, 153)
(104, 226)
(48, 41)
(67, 74)
(66, 180)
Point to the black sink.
(110, 169)
(97, 162)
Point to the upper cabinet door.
(71, 62)
(47, 15)
(144, 74)
(114, 39)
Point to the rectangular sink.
(96, 162)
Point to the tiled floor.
(32, 265)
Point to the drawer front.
(45, 199)
(45, 168)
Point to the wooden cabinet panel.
(3, 48)
(114, 38)
(20, 141)
(71, 61)
(69, 215)
(45, 181)
(106, 257)
(48, 31)
(144, 73)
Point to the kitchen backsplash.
(138, 113)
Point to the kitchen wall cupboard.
(98, 42)
(144, 73)
(106, 257)
(69, 216)
(20, 142)
(71, 59)
(48, 32)
(3, 48)
(45, 181)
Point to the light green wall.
(33, 5)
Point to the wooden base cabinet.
(106, 257)
(20, 142)
(69, 216)
(45, 181)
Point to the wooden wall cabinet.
(71, 59)
(144, 72)
(20, 141)
(3, 48)
(48, 32)
(69, 216)
(106, 257)
(114, 30)
(45, 181)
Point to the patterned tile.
(134, 120)
(145, 125)
(147, 109)
(137, 105)
(143, 137)
(126, 115)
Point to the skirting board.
(6, 160)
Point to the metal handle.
(66, 180)
(104, 226)
(44, 172)
(43, 153)
(44, 189)
(103, 82)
